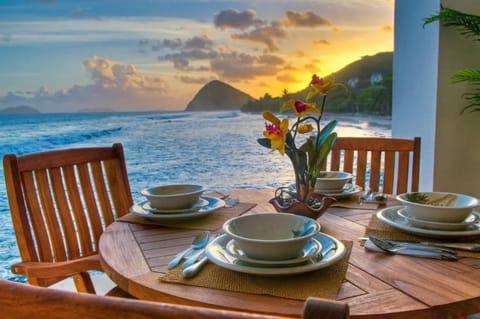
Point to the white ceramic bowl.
(269, 236)
(439, 206)
(172, 197)
(332, 181)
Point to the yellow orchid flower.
(321, 85)
(299, 107)
(305, 128)
(276, 132)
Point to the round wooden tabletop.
(376, 285)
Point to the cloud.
(195, 80)
(110, 75)
(236, 65)
(194, 48)
(387, 28)
(235, 19)
(287, 78)
(115, 86)
(321, 42)
(266, 35)
(304, 19)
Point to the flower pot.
(314, 209)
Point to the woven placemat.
(376, 227)
(212, 221)
(322, 283)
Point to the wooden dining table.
(376, 285)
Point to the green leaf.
(325, 132)
(322, 154)
(466, 24)
(265, 142)
(472, 76)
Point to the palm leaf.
(472, 76)
(466, 24)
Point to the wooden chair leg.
(83, 283)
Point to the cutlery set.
(437, 250)
(410, 248)
(194, 255)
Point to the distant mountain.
(217, 95)
(21, 109)
(95, 110)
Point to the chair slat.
(122, 200)
(389, 172)
(65, 214)
(102, 192)
(361, 167)
(402, 183)
(36, 217)
(335, 160)
(348, 161)
(50, 216)
(90, 200)
(375, 159)
(78, 211)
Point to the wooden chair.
(21, 301)
(388, 164)
(60, 203)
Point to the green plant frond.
(472, 76)
(467, 24)
(325, 132)
(474, 105)
(321, 155)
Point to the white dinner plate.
(201, 203)
(470, 220)
(310, 249)
(213, 204)
(391, 217)
(349, 190)
(216, 252)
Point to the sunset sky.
(67, 55)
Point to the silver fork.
(229, 201)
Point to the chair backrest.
(62, 200)
(22, 301)
(382, 164)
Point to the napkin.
(322, 283)
(212, 221)
(377, 228)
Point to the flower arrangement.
(305, 142)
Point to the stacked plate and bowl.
(274, 244)
(336, 184)
(435, 214)
(176, 202)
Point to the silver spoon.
(198, 242)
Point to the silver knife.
(460, 246)
(420, 246)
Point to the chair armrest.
(57, 269)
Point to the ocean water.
(215, 149)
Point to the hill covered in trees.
(369, 89)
